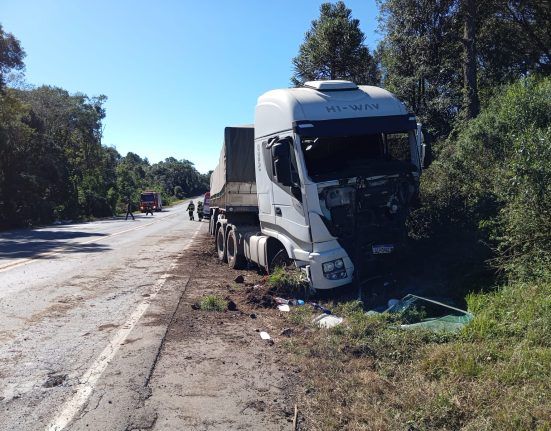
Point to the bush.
(492, 182)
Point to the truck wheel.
(281, 258)
(220, 245)
(235, 259)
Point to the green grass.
(289, 282)
(213, 303)
(367, 374)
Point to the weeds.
(213, 303)
(289, 282)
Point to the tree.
(11, 56)
(420, 58)
(471, 102)
(334, 49)
(131, 176)
(428, 43)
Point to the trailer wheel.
(235, 259)
(220, 245)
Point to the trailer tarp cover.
(236, 162)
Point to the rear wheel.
(220, 245)
(235, 259)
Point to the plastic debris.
(284, 307)
(283, 301)
(265, 336)
(279, 300)
(327, 320)
(319, 307)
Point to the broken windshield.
(374, 154)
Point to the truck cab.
(337, 166)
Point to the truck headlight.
(334, 269)
(329, 266)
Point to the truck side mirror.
(281, 157)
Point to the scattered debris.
(284, 307)
(259, 406)
(239, 279)
(287, 332)
(232, 306)
(54, 380)
(279, 300)
(327, 320)
(319, 307)
(259, 299)
(265, 336)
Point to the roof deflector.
(334, 85)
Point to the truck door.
(288, 206)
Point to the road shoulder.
(214, 371)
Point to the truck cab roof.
(280, 110)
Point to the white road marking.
(90, 378)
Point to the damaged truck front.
(336, 168)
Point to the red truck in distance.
(152, 199)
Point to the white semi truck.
(323, 179)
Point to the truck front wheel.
(235, 259)
(220, 245)
(280, 259)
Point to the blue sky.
(175, 72)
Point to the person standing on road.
(129, 209)
(190, 209)
(200, 210)
(148, 209)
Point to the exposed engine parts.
(380, 197)
(371, 211)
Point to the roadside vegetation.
(482, 228)
(53, 163)
(485, 203)
(288, 282)
(213, 303)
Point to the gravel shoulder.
(214, 371)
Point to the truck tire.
(281, 258)
(221, 245)
(235, 259)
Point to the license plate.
(382, 249)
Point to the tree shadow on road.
(29, 243)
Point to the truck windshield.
(148, 198)
(375, 154)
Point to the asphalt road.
(83, 309)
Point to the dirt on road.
(214, 371)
